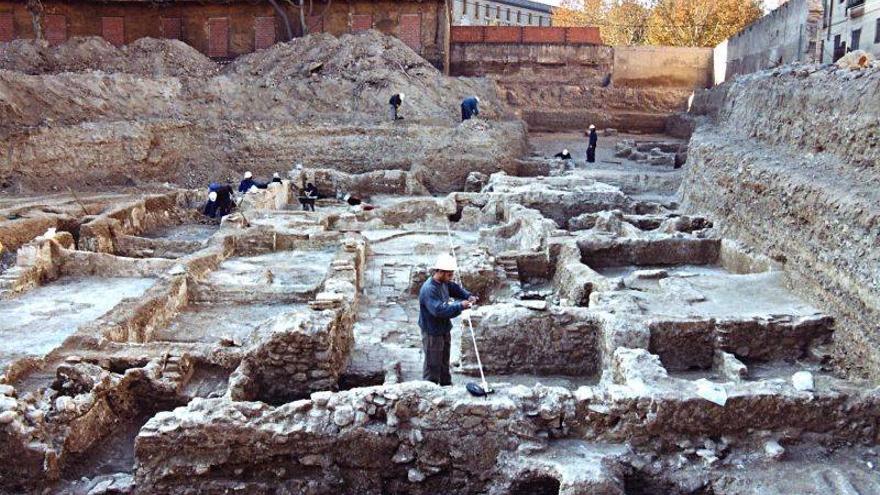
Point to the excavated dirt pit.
(631, 348)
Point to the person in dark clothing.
(224, 201)
(435, 315)
(219, 200)
(394, 104)
(310, 195)
(210, 209)
(276, 178)
(564, 155)
(591, 145)
(249, 182)
(470, 107)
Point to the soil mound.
(160, 57)
(148, 57)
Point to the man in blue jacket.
(470, 107)
(435, 314)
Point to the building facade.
(500, 13)
(851, 25)
(225, 29)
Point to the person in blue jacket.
(470, 107)
(440, 300)
(249, 182)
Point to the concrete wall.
(567, 87)
(419, 24)
(790, 33)
(666, 66)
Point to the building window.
(836, 41)
(488, 7)
(530, 18)
(508, 17)
(519, 16)
(877, 31)
(856, 35)
(464, 7)
(477, 10)
(498, 12)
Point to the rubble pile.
(652, 152)
(157, 111)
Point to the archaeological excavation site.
(694, 312)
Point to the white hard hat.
(446, 263)
(477, 98)
(212, 196)
(275, 174)
(248, 175)
(346, 197)
(565, 151)
(592, 126)
(402, 96)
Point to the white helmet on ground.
(212, 196)
(446, 263)
(248, 175)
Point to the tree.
(621, 22)
(660, 22)
(700, 22)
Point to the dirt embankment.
(789, 161)
(157, 110)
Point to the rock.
(712, 392)
(7, 390)
(729, 367)
(415, 476)
(803, 381)
(343, 416)
(7, 417)
(773, 450)
(7, 403)
(856, 59)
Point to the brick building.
(225, 29)
(500, 13)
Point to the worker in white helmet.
(564, 155)
(249, 183)
(394, 103)
(440, 300)
(211, 206)
(591, 144)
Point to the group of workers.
(470, 107)
(592, 142)
(222, 200)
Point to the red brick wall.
(410, 30)
(171, 28)
(361, 22)
(467, 34)
(543, 35)
(583, 35)
(264, 32)
(503, 34)
(113, 30)
(56, 29)
(7, 26)
(526, 34)
(218, 37)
